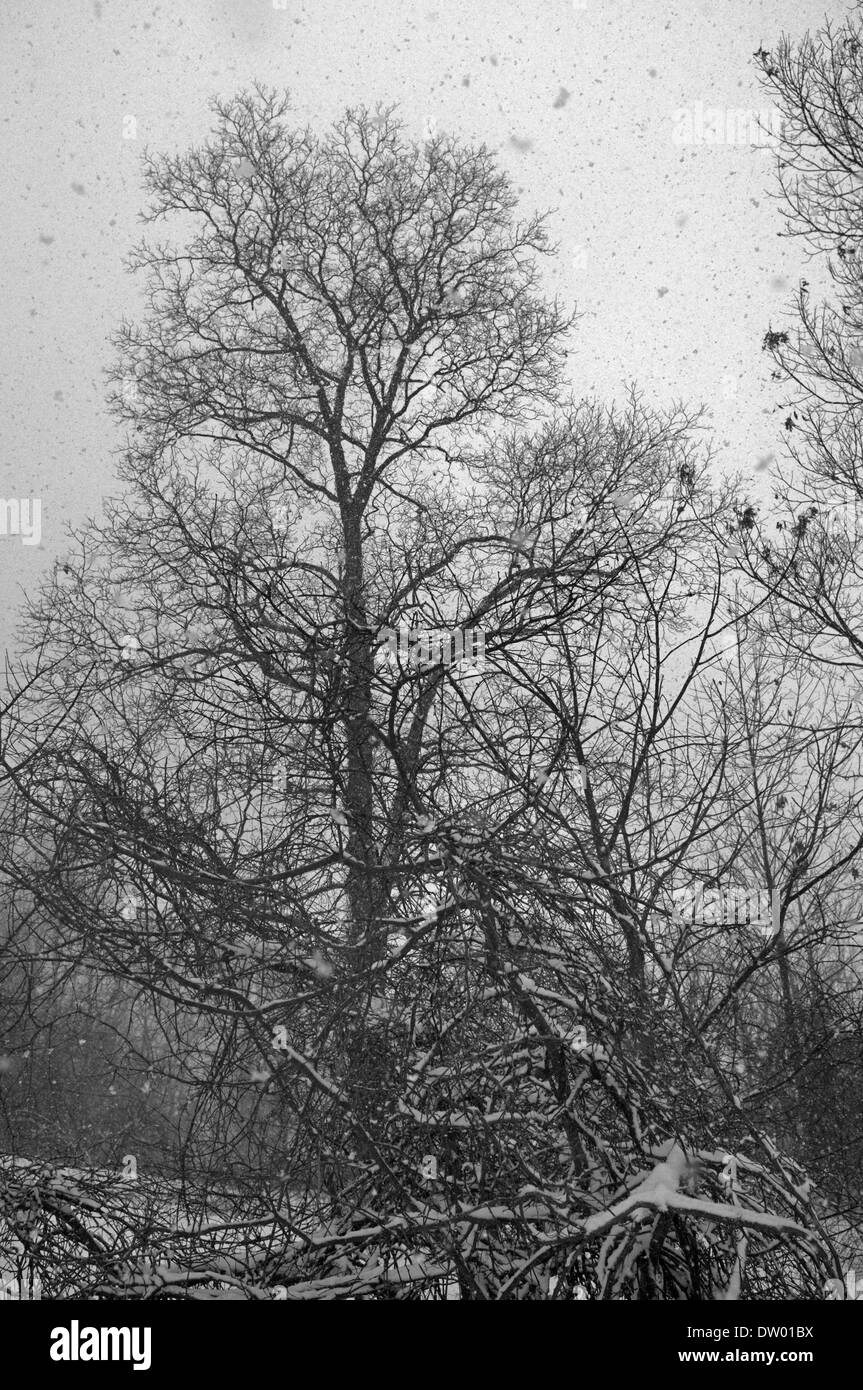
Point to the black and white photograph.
(431, 723)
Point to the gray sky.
(671, 252)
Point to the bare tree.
(404, 921)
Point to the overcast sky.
(671, 252)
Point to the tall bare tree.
(407, 923)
